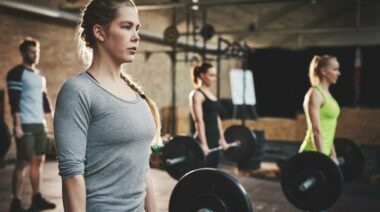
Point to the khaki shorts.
(33, 142)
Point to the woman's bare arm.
(314, 105)
(333, 155)
(74, 194)
(222, 140)
(197, 114)
(150, 203)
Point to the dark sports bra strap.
(198, 89)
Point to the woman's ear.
(201, 76)
(99, 33)
(323, 71)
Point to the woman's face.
(209, 77)
(331, 72)
(122, 39)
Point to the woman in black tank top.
(204, 108)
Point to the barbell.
(180, 159)
(207, 190)
(345, 148)
(312, 181)
(183, 154)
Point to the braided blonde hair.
(151, 104)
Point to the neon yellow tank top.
(329, 114)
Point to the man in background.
(29, 103)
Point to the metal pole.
(218, 67)
(173, 161)
(233, 144)
(358, 13)
(2, 92)
(173, 57)
(214, 4)
(194, 30)
(244, 66)
(188, 17)
(299, 31)
(204, 39)
(173, 70)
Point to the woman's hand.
(223, 143)
(205, 149)
(335, 159)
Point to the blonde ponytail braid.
(151, 104)
(316, 64)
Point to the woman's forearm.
(318, 141)
(150, 203)
(333, 152)
(201, 132)
(74, 194)
(221, 130)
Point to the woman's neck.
(325, 85)
(204, 87)
(103, 68)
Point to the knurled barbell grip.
(341, 161)
(205, 210)
(233, 144)
(176, 160)
(173, 161)
(308, 183)
(311, 181)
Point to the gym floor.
(266, 195)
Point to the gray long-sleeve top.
(107, 140)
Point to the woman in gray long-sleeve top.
(104, 124)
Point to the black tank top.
(210, 110)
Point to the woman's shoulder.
(196, 94)
(77, 83)
(317, 89)
(314, 94)
(313, 89)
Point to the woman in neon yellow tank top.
(321, 109)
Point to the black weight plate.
(5, 139)
(208, 188)
(209, 202)
(183, 146)
(353, 157)
(171, 34)
(328, 186)
(207, 31)
(248, 143)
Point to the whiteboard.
(236, 79)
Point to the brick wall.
(59, 60)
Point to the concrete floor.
(266, 195)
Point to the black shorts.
(33, 142)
